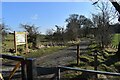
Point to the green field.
(8, 42)
(115, 39)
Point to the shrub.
(117, 66)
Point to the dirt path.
(61, 57)
(47, 64)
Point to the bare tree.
(102, 21)
(117, 7)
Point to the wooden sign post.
(20, 38)
(15, 45)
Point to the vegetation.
(106, 61)
(116, 39)
(98, 28)
(32, 31)
(43, 51)
(8, 44)
(77, 26)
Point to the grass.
(43, 51)
(115, 39)
(8, 43)
(87, 60)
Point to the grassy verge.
(103, 60)
(43, 51)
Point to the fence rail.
(84, 70)
(17, 58)
(28, 69)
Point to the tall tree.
(72, 27)
(85, 25)
(78, 26)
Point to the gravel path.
(61, 57)
(46, 65)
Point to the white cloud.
(34, 17)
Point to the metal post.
(78, 54)
(31, 70)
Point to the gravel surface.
(46, 65)
(61, 58)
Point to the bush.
(117, 66)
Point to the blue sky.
(43, 14)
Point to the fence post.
(23, 70)
(78, 54)
(95, 63)
(58, 73)
(31, 70)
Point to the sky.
(44, 15)
(54, 0)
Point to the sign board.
(20, 38)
